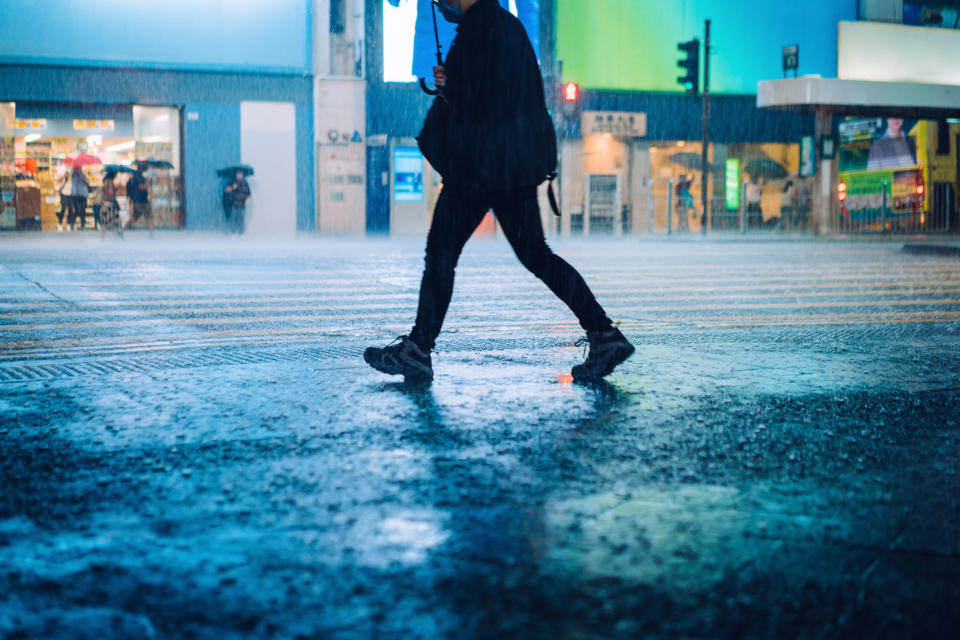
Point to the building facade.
(322, 99)
(192, 87)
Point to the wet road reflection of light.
(412, 535)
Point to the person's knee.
(536, 258)
(440, 262)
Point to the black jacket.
(492, 131)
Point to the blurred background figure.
(77, 199)
(109, 208)
(236, 194)
(138, 193)
(64, 209)
(754, 197)
(788, 204)
(684, 202)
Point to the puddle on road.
(685, 536)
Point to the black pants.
(234, 219)
(455, 218)
(78, 208)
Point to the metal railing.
(666, 213)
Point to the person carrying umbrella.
(490, 137)
(236, 194)
(79, 190)
(107, 199)
(139, 194)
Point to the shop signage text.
(34, 124)
(86, 125)
(618, 123)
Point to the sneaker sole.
(621, 356)
(369, 357)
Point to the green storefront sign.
(732, 183)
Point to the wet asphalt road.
(192, 447)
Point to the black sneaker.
(608, 348)
(401, 357)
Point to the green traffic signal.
(691, 64)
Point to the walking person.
(490, 137)
(684, 202)
(236, 194)
(109, 207)
(79, 190)
(138, 193)
(754, 202)
(65, 198)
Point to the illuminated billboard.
(632, 44)
(246, 35)
(409, 47)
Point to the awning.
(859, 97)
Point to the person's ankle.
(419, 343)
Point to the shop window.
(42, 143)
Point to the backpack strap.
(550, 195)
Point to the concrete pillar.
(824, 202)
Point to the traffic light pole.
(704, 197)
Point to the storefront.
(632, 162)
(50, 139)
(128, 82)
(886, 152)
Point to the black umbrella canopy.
(226, 172)
(766, 168)
(118, 168)
(154, 164)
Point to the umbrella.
(154, 164)
(692, 161)
(226, 172)
(766, 168)
(81, 159)
(118, 168)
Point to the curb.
(932, 249)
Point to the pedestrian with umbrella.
(490, 137)
(107, 199)
(79, 190)
(236, 194)
(138, 192)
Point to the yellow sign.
(100, 125)
(36, 124)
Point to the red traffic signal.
(571, 92)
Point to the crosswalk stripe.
(162, 314)
(214, 315)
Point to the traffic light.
(691, 64)
(570, 101)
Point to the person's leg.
(75, 207)
(455, 217)
(519, 216)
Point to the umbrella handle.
(427, 90)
